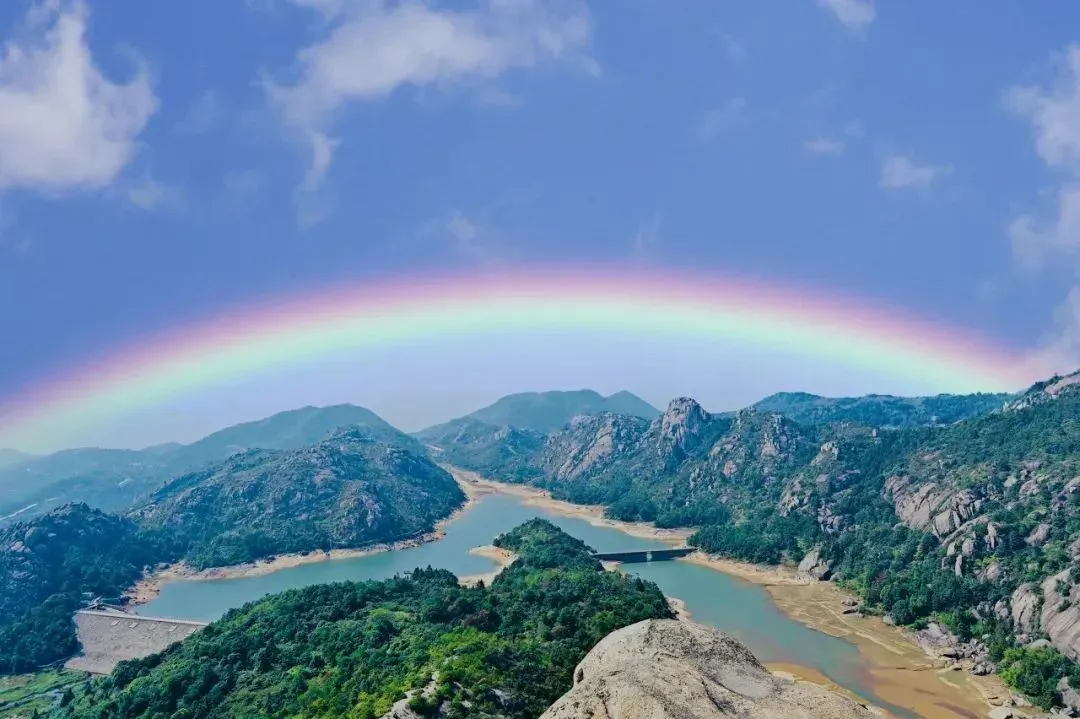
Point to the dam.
(644, 555)
(109, 636)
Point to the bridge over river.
(645, 555)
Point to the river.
(743, 610)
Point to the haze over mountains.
(962, 510)
(547, 411)
(116, 478)
(112, 479)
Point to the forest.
(352, 649)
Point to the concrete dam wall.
(109, 637)
(648, 555)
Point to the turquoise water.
(738, 608)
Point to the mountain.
(412, 646)
(9, 457)
(50, 565)
(974, 525)
(547, 411)
(484, 447)
(882, 410)
(351, 490)
(292, 429)
(114, 479)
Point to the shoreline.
(900, 671)
(148, 587)
(503, 558)
(592, 513)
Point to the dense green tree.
(352, 649)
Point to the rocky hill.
(547, 411)
(974, 524)
(666, 669)
(51, 565)
(347, 491)
(115, 479)
(351, 490)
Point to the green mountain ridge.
(351, 490)
(114, 479)
(882, 410)
(968, 523)
(547, 411)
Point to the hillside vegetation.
(351, 490)
(116, 479)
(347, 491)
(49, 568)
(882, 410)
(974, 524)
(354, 649)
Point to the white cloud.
(204, 115)
(647, 237)
(63, 124)
(241, 186)
(719, 119)
(734, 48)
(1054, 111)
(824, 146)
(148, 194)
(1052, 240)
(1037, 242)
(375, 47)
(475, 241)
(899, 172)
(1059, 350)
(856, 15)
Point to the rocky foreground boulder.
(667, 669)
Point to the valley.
(943, 527)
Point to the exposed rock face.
(814, 566)
(1039, 535)
(666, 669)
(681, 425)
(589, 443)
(940, 510)
(1060, 618)
(1056, 614)
(1025, 604)
(1069, 696)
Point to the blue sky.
(159, 164)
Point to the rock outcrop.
(814, 566)
(666, 669)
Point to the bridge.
(644, 555)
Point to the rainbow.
(651, 305)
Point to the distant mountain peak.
(548, 411)
(682, 423)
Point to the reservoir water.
(740, 609)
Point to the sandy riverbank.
(679, 607)
(503, 558)
(148, 588)
(901, 672)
